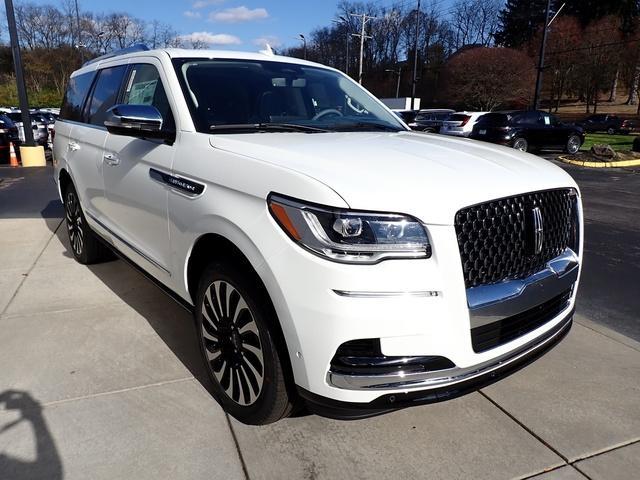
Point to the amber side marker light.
(280, 214)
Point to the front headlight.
(350, 236)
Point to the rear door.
(87, 178)
(137, 201)
(554, 133)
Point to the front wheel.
(521, 144)
(573, 144)
(236, 326)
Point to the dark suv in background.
(602, 123)
(528, 130)
(430, 120)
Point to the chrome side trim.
(491, 303)
(185, 186)
(364, 294)
(439, 378)
(153, 262)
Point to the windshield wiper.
(365, 126)
(265, 127)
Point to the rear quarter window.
(494, 119)
(75, 95)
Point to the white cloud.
(239, 14)
(211, 38)
(272, 40)
(205, 3)
(192, 14)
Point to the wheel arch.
(64, 180)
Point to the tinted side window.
(144, 87)
(105, 93)
(77, 90)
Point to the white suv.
(328, 253)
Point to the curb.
(617, 164)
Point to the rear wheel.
(573, 144)
(521, 144)
(611, 131)
(236, 323)
(85, 245)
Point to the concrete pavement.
(100, 378)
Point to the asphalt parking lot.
(100, 376)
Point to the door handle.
(111, 159)
(74, 146)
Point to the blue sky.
(228, 21)
(237, 24)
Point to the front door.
(136, 203)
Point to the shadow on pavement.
(171, 322)
(47, 464)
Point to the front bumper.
(464, 383)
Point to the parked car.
(601, 123)
(460, 124)
(407, 116)
(49, 121)
(528, 130)
(328, 253)
(40, 130)
(8, 135)
(430, 120)
(630, 126)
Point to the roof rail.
(138, 47)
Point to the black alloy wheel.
(236, 325)
(85, 245)
(521, 144)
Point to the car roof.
(175, 53)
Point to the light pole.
(545, 32)
(399, 74)
(79, 44)
(343, 21)
(364, 18)
(304, 43)
(414, 81)
(17, 65)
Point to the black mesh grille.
(496, 238)
(498, 333)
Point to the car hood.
(428, 176)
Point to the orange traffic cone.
(13, 159)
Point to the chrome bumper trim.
(491, 303)
(425, 380)
(419, 293)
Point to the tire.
(611, 131)
(239, 347)
(521, 144)
(573, 144)
(87, 249)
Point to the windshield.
(226, 95)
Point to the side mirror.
(141, 121)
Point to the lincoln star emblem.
(538, 230)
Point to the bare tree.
(485, 78)
(475, 21)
